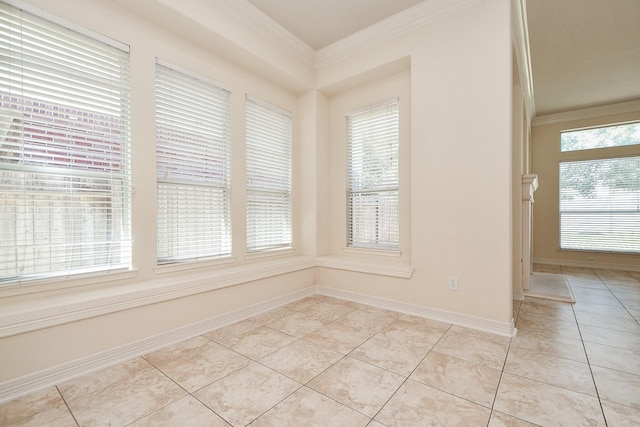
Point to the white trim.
(588, 264)
(252, 17)
(90, 303)
(20, 386)
(520, 38)
(466, 320)
(588, 113)
(171, 267)
(370, 267)
(372, 251)
(268, 253)
(394, 26)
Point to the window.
(64, 150)
(372, 181)
(268, 135)
(193, 167)
(600, 196)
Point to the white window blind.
(268, 140)
(372, 182)
(600, 204)
(64, 150)
(193, 167)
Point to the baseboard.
(518, 295)
(587, 264)
(466, 320)
(20, 386)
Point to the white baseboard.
(29, 383)
(518, 295)
(587, 264)
(466, 320)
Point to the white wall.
(454, 80)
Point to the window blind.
(600, 204)
(268, 151)
(64, 150)
(193, 167)
(372, 177)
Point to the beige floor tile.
(259, 342)
(474, 346)
(544, 404)
(127, 400)
(309, 408)
(567, 348)
(187, 411)
(609, 274)
(461, 378)
(547, 326)
(427, 333)
(586, 284)
(618, 387)
(609, 322)
(358, 385)
(55, 417)
(297, 324)
(244, 395)
(606, 310)
(339, 337)
(328, 310)
(301, 360)
(227, 332)
(498, 419)
(613, 357)
(629, 341)
(399, 356)
(547, 310)
(429, 323)
(196, 362)
(369, 317)
(272, 315)
(30, 405)
(552, 370)
(303, 303)
(99, 380)
(620, 415)
(416, 404)
(609, 299)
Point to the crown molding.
(588, 113)
(252, 17)
(389, 28)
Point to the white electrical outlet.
(453, 283)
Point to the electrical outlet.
(453, 283)
(591, 259)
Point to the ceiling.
(584, 53)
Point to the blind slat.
(65, 203)
(193, 167)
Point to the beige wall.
(546, 156)
(461, 162)
(454, 79)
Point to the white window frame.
(596, 216)
(65, 159)
(378, 128)
(269, 141)
(193, 158)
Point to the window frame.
(86, 119)
(592, 154)
(376, 248)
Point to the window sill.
(270, 253)
(374, 252)
(402, 271)
(30, 314)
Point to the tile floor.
(322, 361)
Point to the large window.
(269, 138)
(600, 196)
(372, 182)
(64, 150)
(193, 167)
